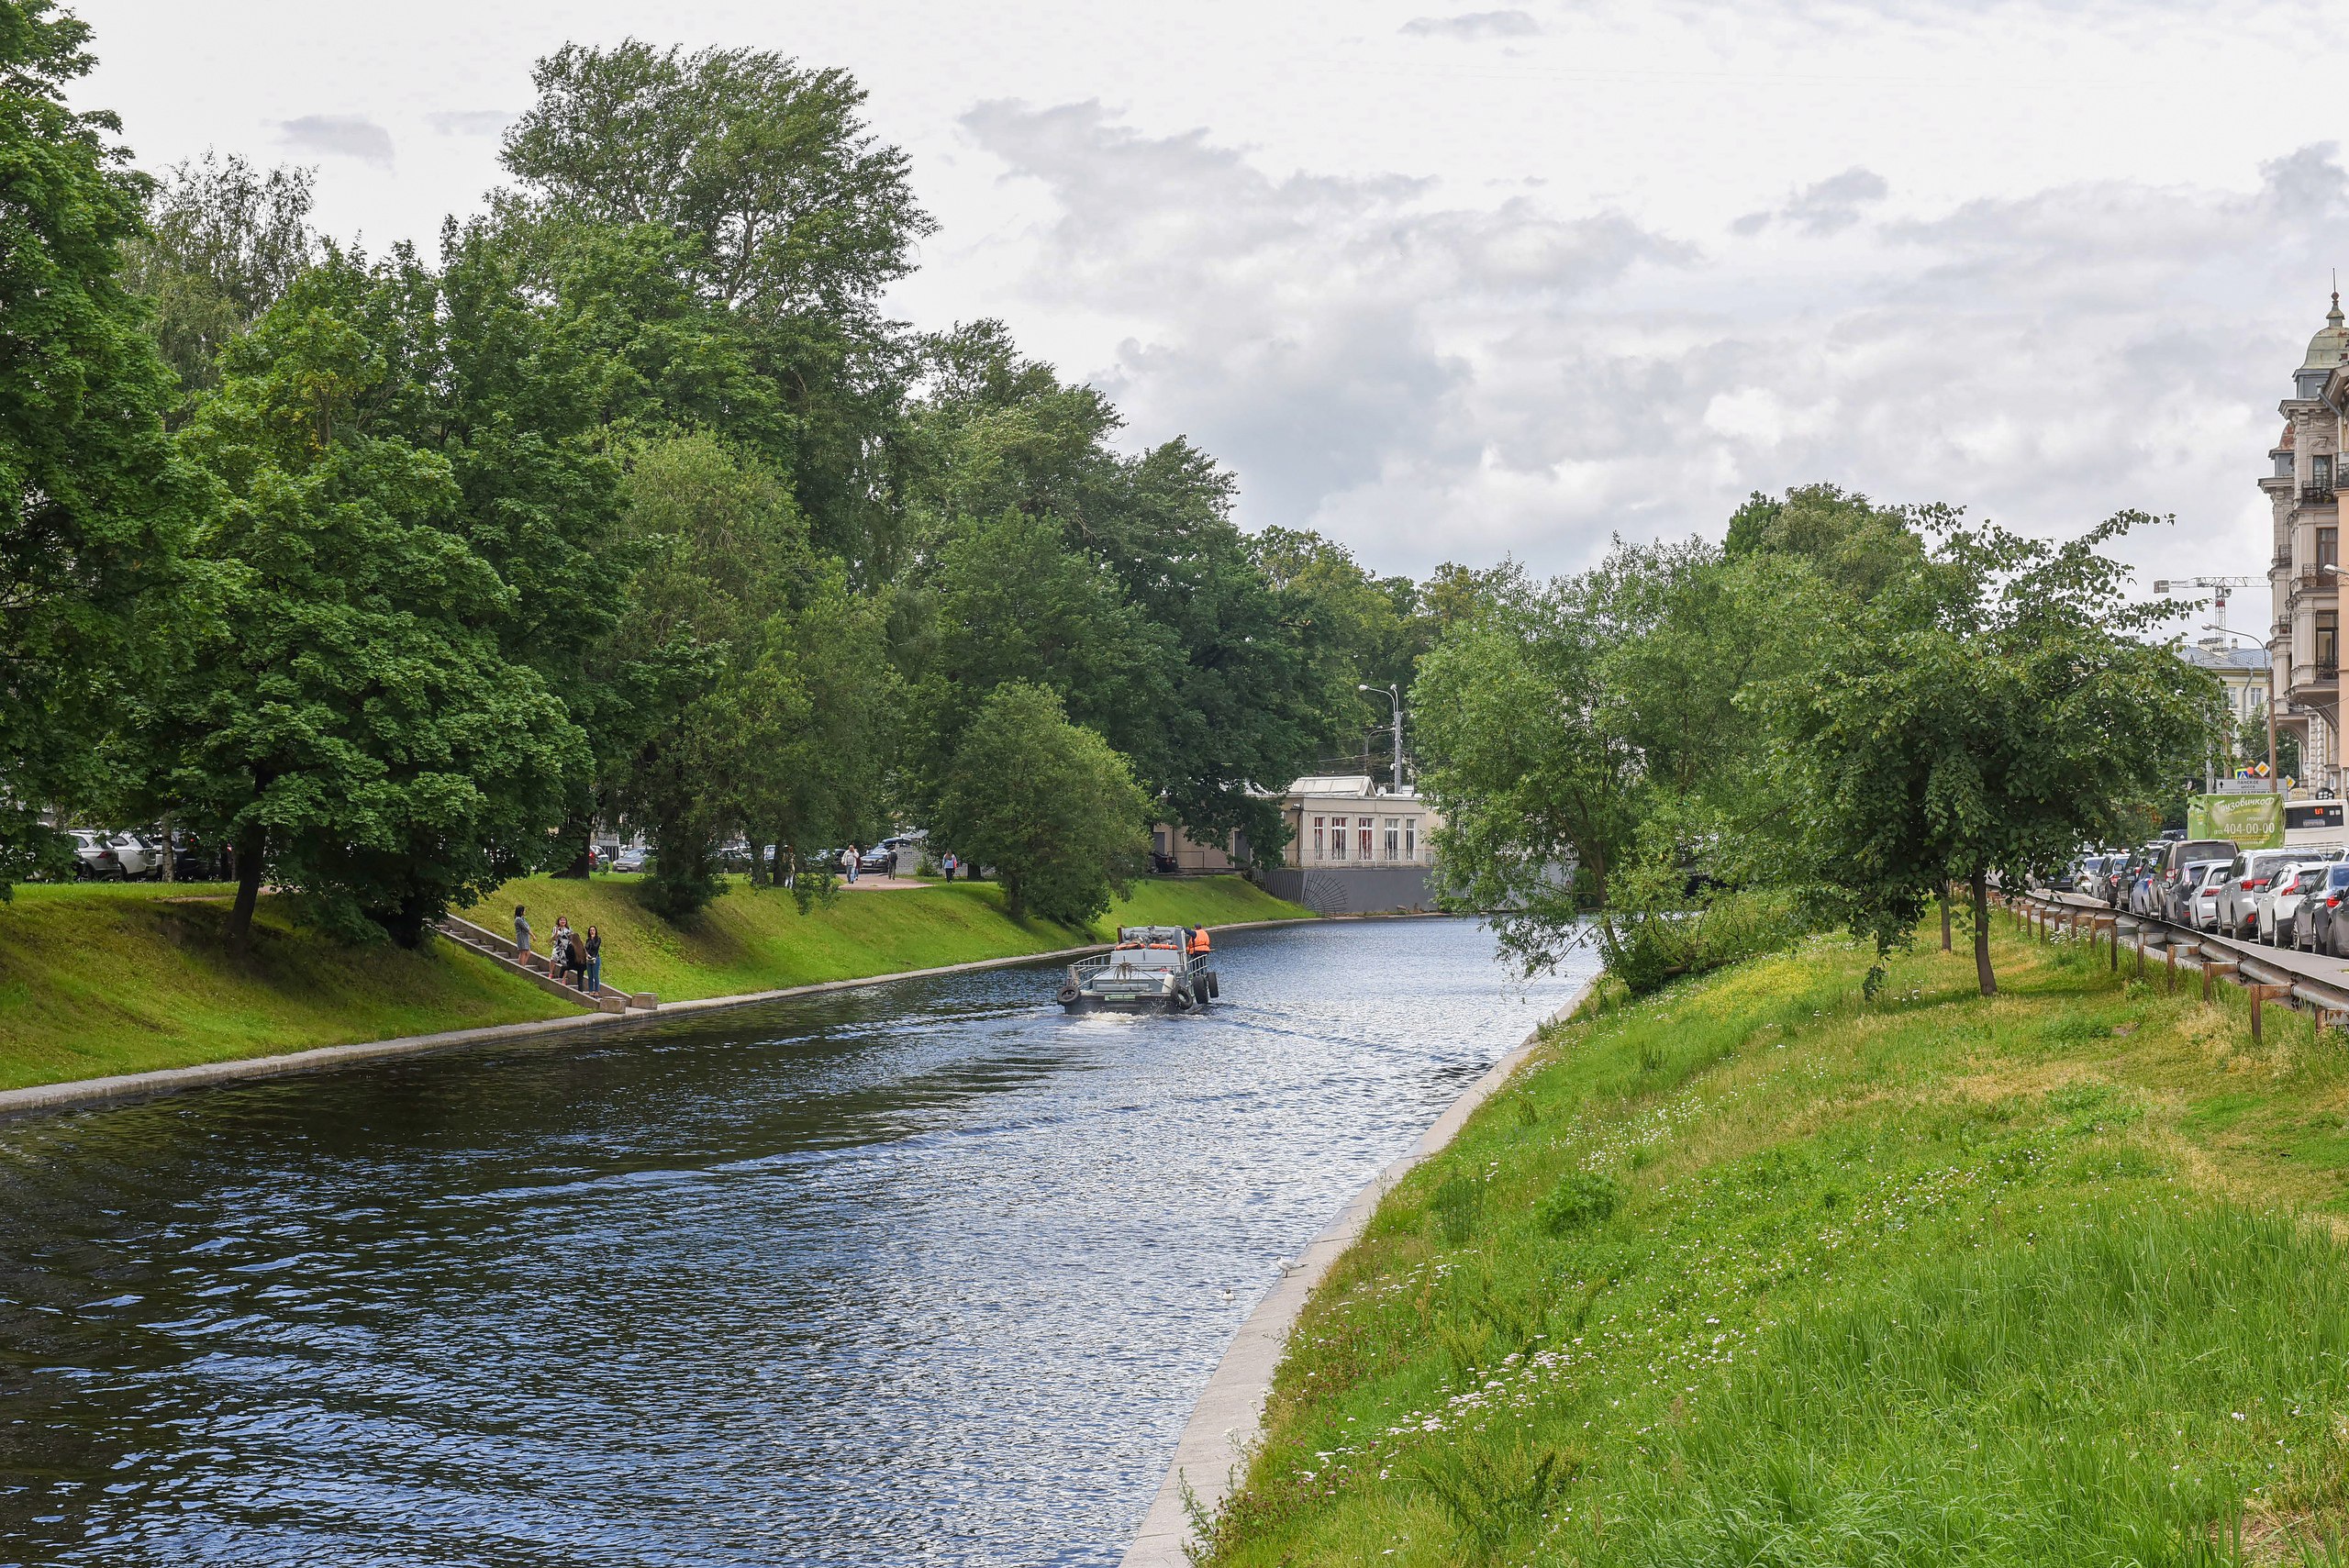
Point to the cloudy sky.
(1457, 283)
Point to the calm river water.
(922, 1272)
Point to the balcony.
(2315, 579)
(2316, 494)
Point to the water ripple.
(925, 1273)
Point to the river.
(925, 1272)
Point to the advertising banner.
(2253, 822)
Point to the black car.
(2323, 923)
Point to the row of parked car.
(2288, 897)
(103, 856)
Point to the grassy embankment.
(122, 978)
(1757, 1273)
(758, 940)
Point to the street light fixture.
(1394, 694)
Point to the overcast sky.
(1455, 284)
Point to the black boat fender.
(1068, 994)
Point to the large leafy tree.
(1048, 805)
(730, 607)
(1212, 688)
(223, 241)
(784, 213)
(343, 713)
(1983, 715)
(89, 496)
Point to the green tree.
(223, 242)
(343, 713)
(785, 214)
(1856, 546)
(91, 502)
(1047, 804)
(726, 553)
(1985, 717)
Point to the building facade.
(1356, 850)
(2242, 675)
(2304, 637)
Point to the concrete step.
(497, 950)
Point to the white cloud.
(1430, 379)
(1828, 208)
(469, 122)
(1474, 25)
(338, 136)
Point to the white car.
(2279, 901)
(2204, 913)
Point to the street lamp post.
(1395, 695)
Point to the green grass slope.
(121, 978)
(101, 980)
(756, 939)
(1759, 1272)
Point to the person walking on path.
(853, 857)
(948, 866)
(522, 936)
(594, 962)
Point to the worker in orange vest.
(1199, 938)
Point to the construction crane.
(2218, 586)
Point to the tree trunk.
(171, 868)
(1989, 981)
(1945, 947)
(250, 845)
(758, 864)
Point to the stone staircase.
(500, 950)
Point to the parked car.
(630, 859)
(2326, 917)
(142, 858)
(95, 858)
(2279, 903)
(191, 861)
(2205, 916)
(2178, 888)
(2247, 877)
(2172, 884)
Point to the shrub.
(1583, 1199)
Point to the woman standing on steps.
(522, 936)
(595, 986)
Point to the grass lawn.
(1758, 1273)
(104, 978)
(756, 939)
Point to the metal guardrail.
(2199, 949)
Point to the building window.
(2328, 640)
(2328, 547)
(2321, 472)
(1364, 825)
(1410, 838)
(1394, 838)
(1318, 848)
(1337, 838)
(1158, 840)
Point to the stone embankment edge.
(80, 1092)
(1229, 1419)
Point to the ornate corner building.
(2304, 642)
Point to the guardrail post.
(2169, 960)
(2116, 945)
